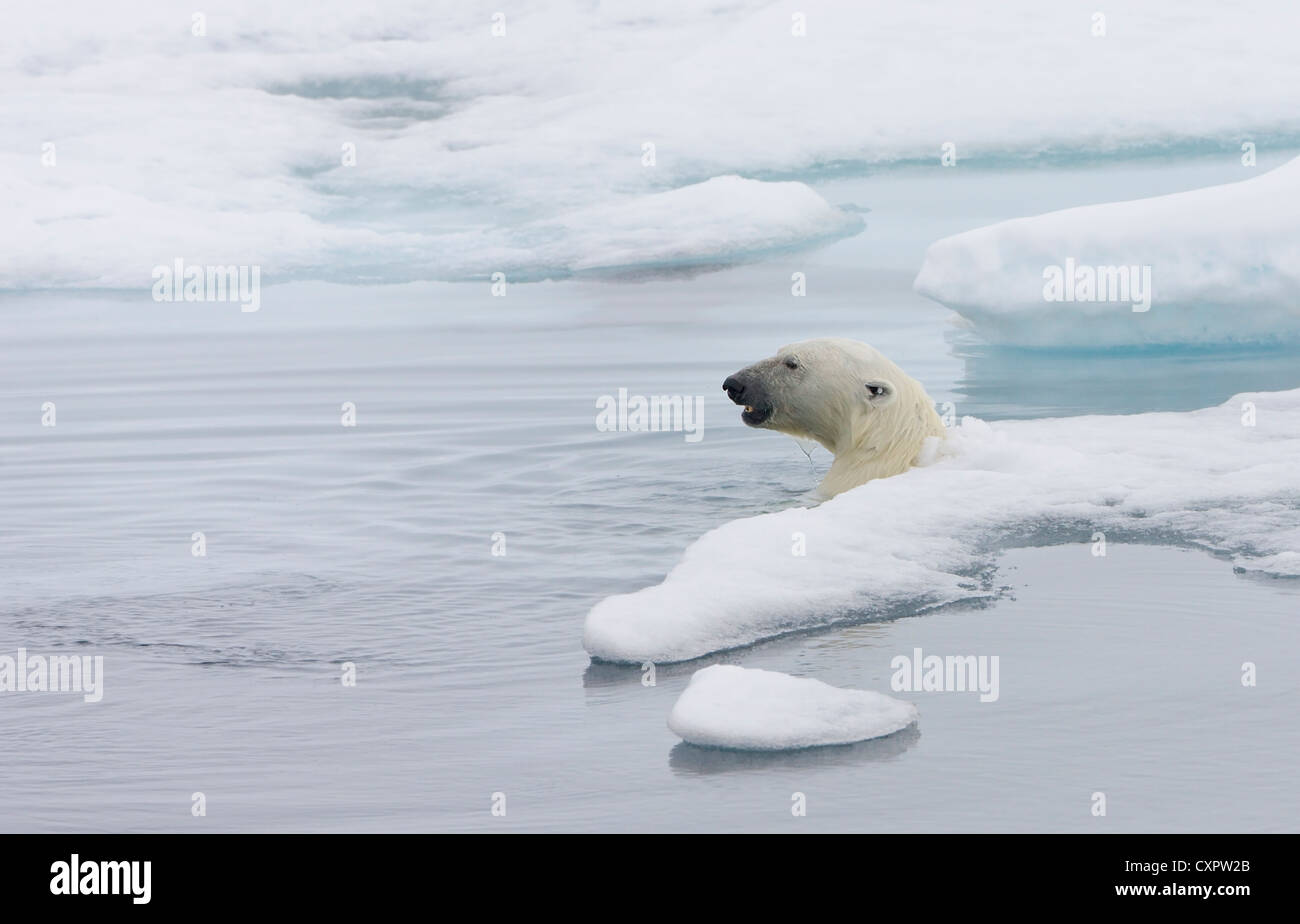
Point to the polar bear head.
(845, 395)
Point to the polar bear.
(845, 395)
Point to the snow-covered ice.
(755, 710)
(725, 218)
(232, 146)
(1224, 267)
(1225, 478)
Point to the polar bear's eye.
(791, 364)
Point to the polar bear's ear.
(879, 392)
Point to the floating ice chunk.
(1213, 265)
(721, 219)
(753, 710)
(1225, 478)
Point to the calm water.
(475, 415)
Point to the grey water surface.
(372, 545)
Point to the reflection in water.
(1003, 382)
(689, 758)
(604, 674)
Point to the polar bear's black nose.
(734, 388)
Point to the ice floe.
(725, 706)
(1213, 265)
(1225, 478)
(363, 142)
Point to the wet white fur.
(827, 399)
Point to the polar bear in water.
(845, 395)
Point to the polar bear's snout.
(747, 389)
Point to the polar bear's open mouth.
(743, 390)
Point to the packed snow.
(393, 141)
(727, 217)
(754, 710)
(1214, 265)
(1221, 478)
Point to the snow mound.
(722, 219)
(754, 710)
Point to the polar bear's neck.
(888, 444)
